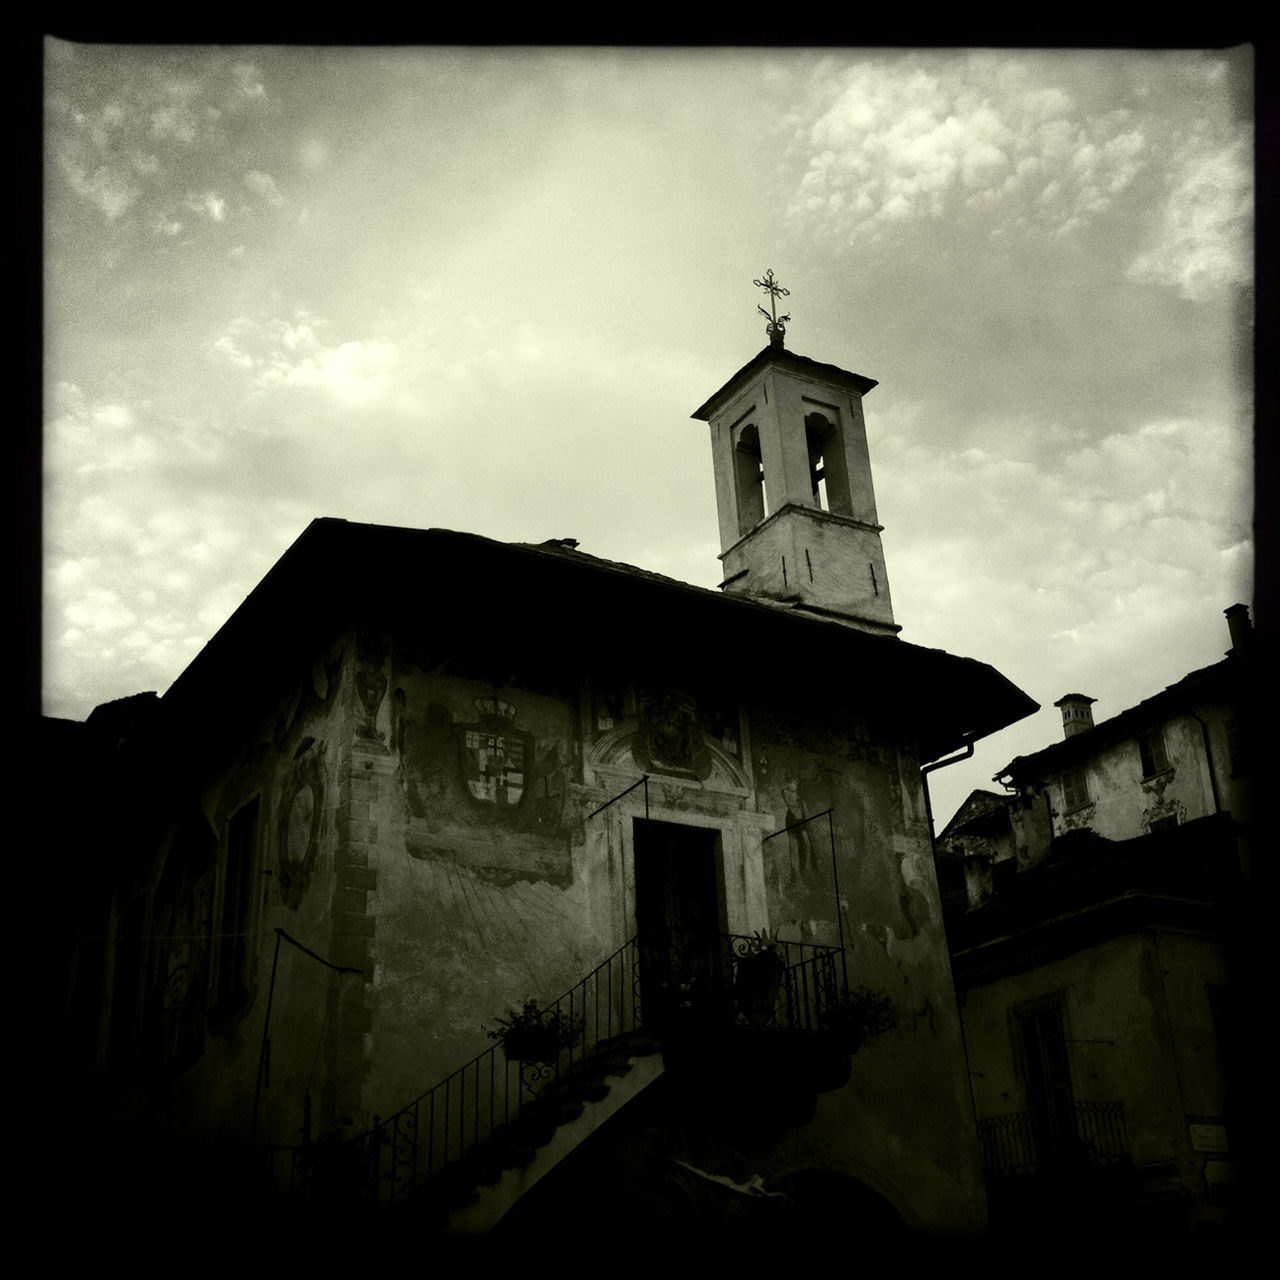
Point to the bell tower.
(793, 484)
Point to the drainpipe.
(926, 770)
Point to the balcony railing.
(664, 983)
(707, 982)
(1068, 1134)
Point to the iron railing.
(1089, 1134)
(810, 986)
(696, 983)
(664, 983)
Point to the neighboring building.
(420, 776)
(1090, 914)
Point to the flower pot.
(756, 986)
(536, 1044)
(849, 1036)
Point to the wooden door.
(678, 920)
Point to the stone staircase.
(459, 1156)
(515, 1159)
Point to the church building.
(468, 881)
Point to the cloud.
(229, 344)
(109, 188)
(522, 389)
(85, 438)
(290, 353)
(248, 80)
(119, 140)
(1110, 527)
(264, 185)
(132, 613)
(208, 204)
(98, 610)
(1203, 240)
(1099, 569)
(174, 122)
(926, 137)
(314, 153)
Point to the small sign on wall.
(1209, 1138)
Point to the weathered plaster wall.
(1136, 1015)
(1123, 804)
(200, 1046)
(1095, 990)
(1032, 828)
(494, 882)
(1191, 967)
(824, 560)
(478, 902)
(430, 821)
(903, 1124)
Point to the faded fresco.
(483, 776)
(846, 845)
(182, 916)
(301, 811)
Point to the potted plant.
(859, 1015)
(533, 1034)
(759, 977)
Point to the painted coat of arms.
(669, 739)
(494, 754)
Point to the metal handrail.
(442, 1126)
(689, 980)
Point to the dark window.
(1165, 823)
(1239, 757)
(1002, 874)
(1048, 1077)
(233, 953)
(1151, 749)
(950, 874)
(1075, 789)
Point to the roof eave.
(1178, 696)
(786, 359)
(338, 575)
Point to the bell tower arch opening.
(749, 475)
(828, 467)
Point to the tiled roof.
(552, 603)
(1194, 687)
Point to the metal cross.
(776, 328)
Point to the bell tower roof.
(780, 357)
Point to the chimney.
(1240, 627)
(1077, 717)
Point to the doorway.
(679, 922)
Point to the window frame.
(236, 906)
(1152, 756)
(1075, 784)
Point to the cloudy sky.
(484, 290)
